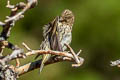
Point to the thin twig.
(115, 63)
(2, 24)
(79, 52)
(75, 57)
(25, 45)
(19, 15)
(17, 62)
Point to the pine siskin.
(56, 34)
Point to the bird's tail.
(41, 66)
(44, 60)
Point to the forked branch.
(58, 57)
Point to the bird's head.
(67, 17)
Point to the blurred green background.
(96, 31)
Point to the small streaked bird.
(56, 34)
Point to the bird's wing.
(54, 38)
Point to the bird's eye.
(64, 20)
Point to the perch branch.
(34, 65)
(19, 54)
(60, 56)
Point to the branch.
(34, 65)
(59, 56)
(30, 4)
(2, 24)
(115, 63)
(19, 54)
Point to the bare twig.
(20, 14)
(115, 63)
(2, 24)
(17, 62)
(9, 5)
(18, 53)
(75, 56)
(79, 52)
(25, 45)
